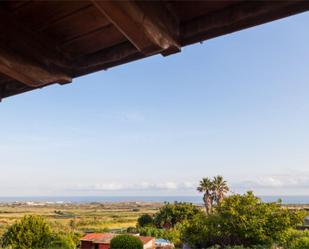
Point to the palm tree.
(220, 188)
(206, 186)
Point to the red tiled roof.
(98, 237)
(144, 239)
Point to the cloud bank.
(143, 186)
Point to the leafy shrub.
(126, 242)
(172, 234)
(63, 241)
(30, 232)
(295, 239)
(33, 232)
(152, 231)
(241, 220)
(145, 220)
(300, 243)
(171, 214)
(132, 230)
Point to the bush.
(126, 242)
(300, 243)
(242, 220)
(145, 220)
(63, 241)
(172, 234)
(296, 240)
(33, 232)
(30, 232)
(171, 214)
(132, 230)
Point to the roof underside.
(46, 42)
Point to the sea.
(89, 199)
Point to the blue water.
(193, 199)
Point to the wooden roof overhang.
(46, 42)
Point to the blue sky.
(236, 105)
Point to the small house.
(102, 241)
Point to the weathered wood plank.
(145, 24)
(103, 59)
(76, 25)
(93, 42)
(39, 15)
(26, 58)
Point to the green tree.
(145, 220)
(296, 239)
(132, 230)
(241, 220)
(214, 191)
(171, 214)
(300, 243)
(126, 242)
(172, 234)
(62, 241)
(220, 188)
(245, 219)
(30, 232)
(206, 187)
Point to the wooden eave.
(47, 42)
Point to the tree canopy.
(126, 242)
(171, 214)
(30, 232)
(242, 220)
(33, 232)
(145, 220)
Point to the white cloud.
(293, 183)
(274, 181)
(142, 186)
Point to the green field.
(92, 217)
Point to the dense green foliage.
(241, 220)
(145, 220)
(63, 241)
(126, 242)
(171, 214)
(167, 222)
(295, 239)
(172, 234)
(33, 232)
(30, 232)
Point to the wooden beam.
(2, 90)
(26, 58)
(106, 58)
(147, 25)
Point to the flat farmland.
(90, 217)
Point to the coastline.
(286, 200)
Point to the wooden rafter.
(146, 25)
(107, 58)
(48, 42)
(27, 59)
